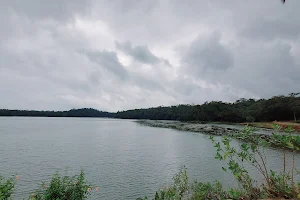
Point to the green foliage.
(181, 182)
(6, 188)
(276, 184)
(208, 191)
(244, 110)
(234, 159)
(176, 191)
(286, 141)
(64, 188)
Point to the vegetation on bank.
(6, 187)
(60, 188)
(64, 188)
(280, 108)
(269, 125)
(276, 184)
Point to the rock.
(208, 129)
(194, 127)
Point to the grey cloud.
(140, 53)
(207, 54)
(50, 61)
(187, 91)
(268, 70)
(43, 9)
(109, 61)
(260, 70)
(147, 83)
(124, 16)
(132, 5)
(270, 29)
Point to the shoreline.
(208, 129)
(214, 129)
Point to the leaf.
(290, 144)
(224, 169)
(218, 156)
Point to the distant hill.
(83, 112)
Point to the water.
(126, 160)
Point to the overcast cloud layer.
(122, 54)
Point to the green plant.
(176, 191)
(64, 188)
(252, 152)
(6, 187)
(208, 191)
(234, 158)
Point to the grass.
(269, 125)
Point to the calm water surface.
(126, 160)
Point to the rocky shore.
(213, 129)
(209, 129)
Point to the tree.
(295, 104)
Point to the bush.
(176, 191)
(6, 188)
(208, 191)
(64, 188)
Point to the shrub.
(64, 188)
(176, 191)
(6, 188)
(208, 191)
(276, 185)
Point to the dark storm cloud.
(140, 53)
(109, 61)
(147, 83)
(270, 29)
(260, 71)
(208, 54)
(266, 66)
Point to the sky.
(115, 55)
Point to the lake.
(126, 160)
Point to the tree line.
(279, 108)
(84, 112)
(243, 110)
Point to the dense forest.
(244, 110)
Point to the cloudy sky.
(121, 54)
